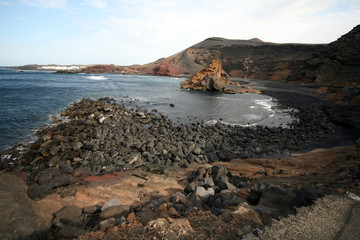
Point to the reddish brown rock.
(213, 77)
(166, 68)
(319, 162)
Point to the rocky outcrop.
(336, 70)
(102, 69)
(212, 78)
(236, 87)
(338, 63)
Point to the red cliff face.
(166, 68)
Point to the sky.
(125, 32)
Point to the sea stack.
(212, 78)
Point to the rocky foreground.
(101, 137)
(115, 173)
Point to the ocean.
(29, 99)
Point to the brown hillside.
(256, 40)
(241, 58)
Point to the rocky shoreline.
(102, 137)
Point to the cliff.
(338, 63)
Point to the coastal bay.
(160, 162)
(94, 144)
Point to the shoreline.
(105, 142)
(288, 95)
(311, 121)
(304, 97)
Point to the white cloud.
(45, 33)
(140, 31)
(98, 3)
(5, 3)
(60, 4)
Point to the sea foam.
(97, 78)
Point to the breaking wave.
(97, 77)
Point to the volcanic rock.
(116, 211)
(112, 203)
(203, 193)
(106, 223)
(241, 58)
(18, 220)
(169, 229)
(100, 68)
(69, 213)
(213, 77)
(71, 232)
(338, 63)
(245, 212)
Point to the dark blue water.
(28, 100)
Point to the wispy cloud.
(5, 3)
(98, 3)
(45, 33)
(60, 4)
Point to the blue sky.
(125, 32)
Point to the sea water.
(29, 99)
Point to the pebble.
(111, 203)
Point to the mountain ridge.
(241, 58)
(336, 63)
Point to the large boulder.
(213, 77)
(18, 220)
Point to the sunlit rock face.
(213, 77)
